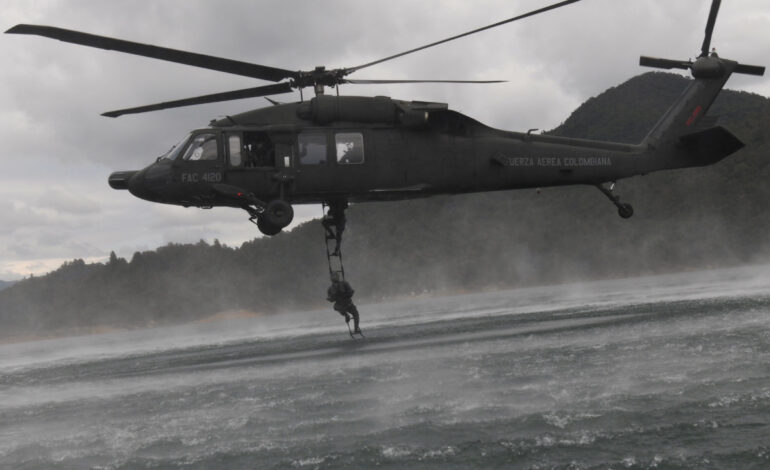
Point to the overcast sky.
(55, 203)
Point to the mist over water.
(656, 372)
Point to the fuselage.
(364, 149)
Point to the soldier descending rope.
(334, 223)
(341, 293)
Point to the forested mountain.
(4, 284)
(685, 219)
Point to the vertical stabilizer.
(710, 72)
(688, 110)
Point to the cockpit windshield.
(174, 151)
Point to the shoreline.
(59, 333)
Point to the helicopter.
(334, 149)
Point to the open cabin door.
(261, 162)
(285, 165)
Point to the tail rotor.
(708, 64)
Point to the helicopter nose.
(151, 183)
(137, 185)
(120, 179)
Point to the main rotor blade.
(162, 53)
(374, 82)
(704, 50)
(213, 98)
(500, 23)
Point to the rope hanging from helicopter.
(340, 292)
(333, 220)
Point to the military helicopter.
(334, 149)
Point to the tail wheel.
(625, 210)
(278, 213)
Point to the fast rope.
(333, 248)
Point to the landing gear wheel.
(267, 228)
(278, 213)
(625, 210)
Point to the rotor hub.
(708, 67)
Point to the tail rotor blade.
(704, 51)
(750, 69)
(663, 63)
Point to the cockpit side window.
(202, 147)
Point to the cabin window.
(258, 150)
(202, 147)
(234, 146)
(350, 148)
(312, 148)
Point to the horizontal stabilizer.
(706, 122)
(711, 145)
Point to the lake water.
(658, 372)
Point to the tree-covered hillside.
(685, 219)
